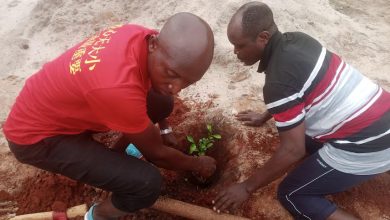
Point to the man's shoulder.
(296, 49)
(137, 29)
(134, 27)
(292, 63)
(297, 35)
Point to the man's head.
(181, 53)
(249, 31)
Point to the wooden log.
(163, 204)
(190, 211)
(72, 212)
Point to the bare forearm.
(150, 144)
(291, 150)
(173, 159)
(275, 167)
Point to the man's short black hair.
(256, 17)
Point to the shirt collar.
(268, 51)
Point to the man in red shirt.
(102, 84)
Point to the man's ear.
(152, 43)
(263, 38)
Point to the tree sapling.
(199, 149)
(205, 143)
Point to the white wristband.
(166, 130)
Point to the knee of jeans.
(153, 188)
(150, 187)
(145, 195)
(282, 194)
(293, 203)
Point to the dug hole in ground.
(33, 32)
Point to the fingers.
(226, 205)
(244, 112)
(243, 117)
(253, 124)
(246, 116)
(250, 124)
(219, 201)
(218, 198)
(208, 166)
(223, 202)
(235, 206)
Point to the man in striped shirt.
(323, 108)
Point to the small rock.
(25, 46)
(231, 86)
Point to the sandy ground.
(33, 32)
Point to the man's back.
(83, 89)
(340, 107)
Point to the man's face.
(166, 76)
(247, 49)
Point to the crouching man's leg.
(303, 191)
(134, 183)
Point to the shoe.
(89, 214)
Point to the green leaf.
(209, 127)
(209, 145)
(190, 139)
(217, 136)
(193, 148)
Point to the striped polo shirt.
(340, 107)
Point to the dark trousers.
(304, 189)
(134, 183)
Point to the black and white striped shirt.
(339, 106)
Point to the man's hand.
(206, 166)
(290, 151)
(231, 198)
(150, 143)
(169, 139)
(254, 119)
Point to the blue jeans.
(304, 189)
(134, 183)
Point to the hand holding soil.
(231, 198)
(206, 166)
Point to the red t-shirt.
(99, 84)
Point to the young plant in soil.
(205, 143)
(199, 149)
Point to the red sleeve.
(121, 108)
